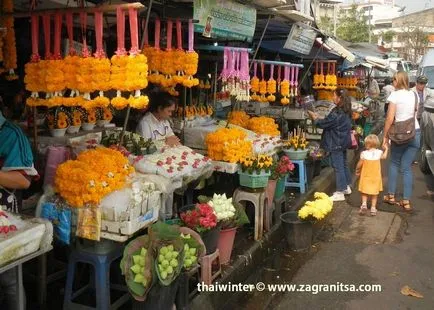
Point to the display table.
(18, 265)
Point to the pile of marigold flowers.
(94, 174)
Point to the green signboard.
(224, 19)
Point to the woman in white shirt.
(402, 105)
(155, 124)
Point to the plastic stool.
(101, 262)
(259, 200)
(302, 177)
(206, 263)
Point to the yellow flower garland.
(284, 91)
(271, 89)
(93, 175)
(239, 118)
(263, 125)
(10, 49)
(221, 143)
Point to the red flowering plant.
(281, 168)
(201, 218)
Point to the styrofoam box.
(139, 216)
(24, 241)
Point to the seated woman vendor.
(155, 124)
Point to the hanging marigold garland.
(71, 65)
(10, 49)
(101, 66)
(271, 86)
(34, 70)
(254, 84)
(284, 87)
(137, 67)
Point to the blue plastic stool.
(301, 182)
(101, 261)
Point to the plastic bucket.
(296, 154)
(226, 244)
(280, 188)
(298, 233)
(210, 238)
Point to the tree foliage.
(352, 26)
(326, 24)
(415, 42)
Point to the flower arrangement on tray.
(94, 174)
(256, 164)
(58, 118)
(317, 209)
(296, 141)
(281, 168)
(202, 218)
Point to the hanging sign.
(300, 39)
(224, 19)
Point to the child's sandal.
(390, 199)
(406, 206)
(363, 209)
(373, 211)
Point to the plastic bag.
(89, 223)
(61, 220)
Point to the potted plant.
(255, 171)
(298, 225)
(279, 171)
(230, 216)
(57, 121)
(202, 219)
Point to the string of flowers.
(254, 84)
(10, 49)
(271, 86)
(220, 143)
(284, 87)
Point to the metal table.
(18, 264)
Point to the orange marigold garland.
(284, 87)
(137, 68)
(10, 49)
(191, 59)
(34, 78)
(271, 86)
(254, 84)
(263, 125)
(93, 175)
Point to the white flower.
(222, 206)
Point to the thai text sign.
(225, 19)
(300, 39)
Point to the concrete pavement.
(392, 249)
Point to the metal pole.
(121, 140)
(148, 13)
(215, 86)
(334, 19)
(260, 41)
(369, 20)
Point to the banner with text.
(224, 19)
(300, 39)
